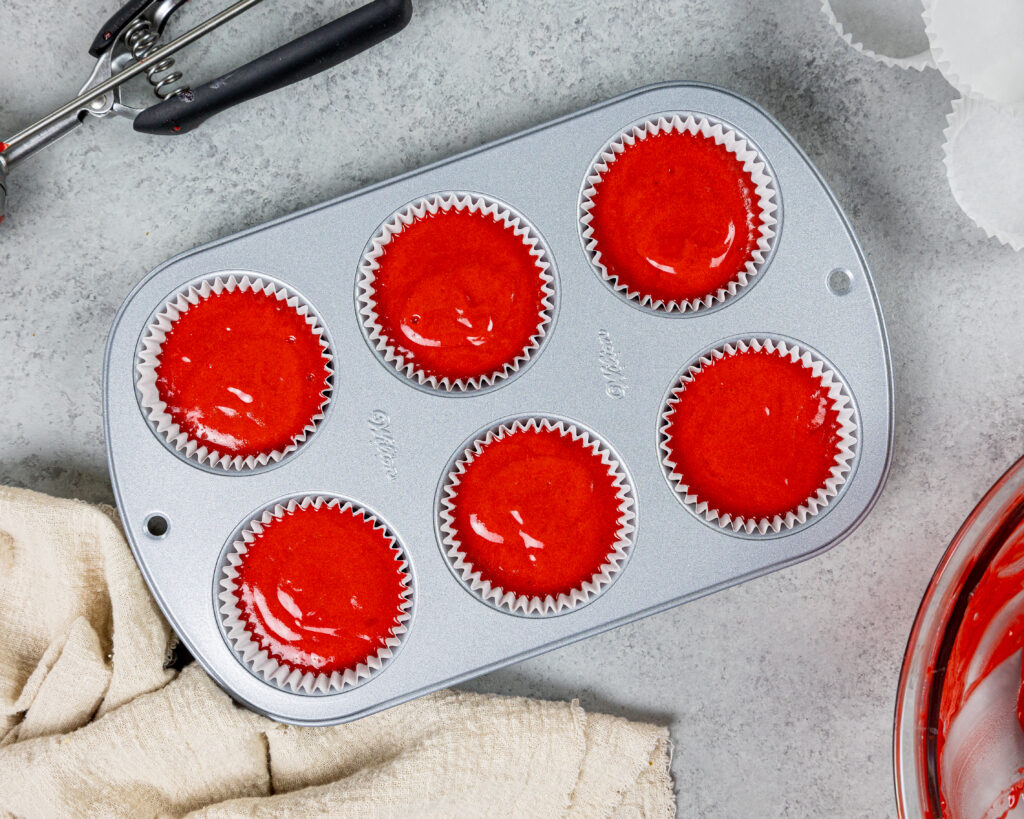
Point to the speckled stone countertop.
(779, 693)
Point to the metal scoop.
(127, 45)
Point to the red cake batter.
(990, 635)
(675, 217)
(458, 294)
(753, 434)
(991, 631)
(537, 513)
(242, 373)
(321, 589)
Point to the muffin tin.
(605, 367)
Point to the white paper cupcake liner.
(840, 471)
(985, 168)
(258, 659)
(853, 33)
(405, 217)
(978, 47)
(723, 135)
(527, 605)
(148, 360)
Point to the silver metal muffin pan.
(605, 363)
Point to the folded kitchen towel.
(92, 723)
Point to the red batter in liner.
(537, 512)
(458, 294)
(754, 434)
(675, 217)
(321, 589)
(242, 373)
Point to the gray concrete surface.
(779, 693)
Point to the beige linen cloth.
(93, 724)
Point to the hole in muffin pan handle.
(157, 525)
(840, 281)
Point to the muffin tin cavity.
(456, 292)
(548, 503)
(758, 435)
(678, 213)
(536, 515)
(315, 594)
(234, 372)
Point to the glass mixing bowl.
(996, 521)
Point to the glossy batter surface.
(537, 513)
(991, 631)
(321, 589)
(753, 434)
(675, 217)
(242, 373)
(979, 766)
(458, 294)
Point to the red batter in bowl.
(959, 741)
(980, 740)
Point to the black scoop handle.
(115, 25)
(308, 55)
(121, 18)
